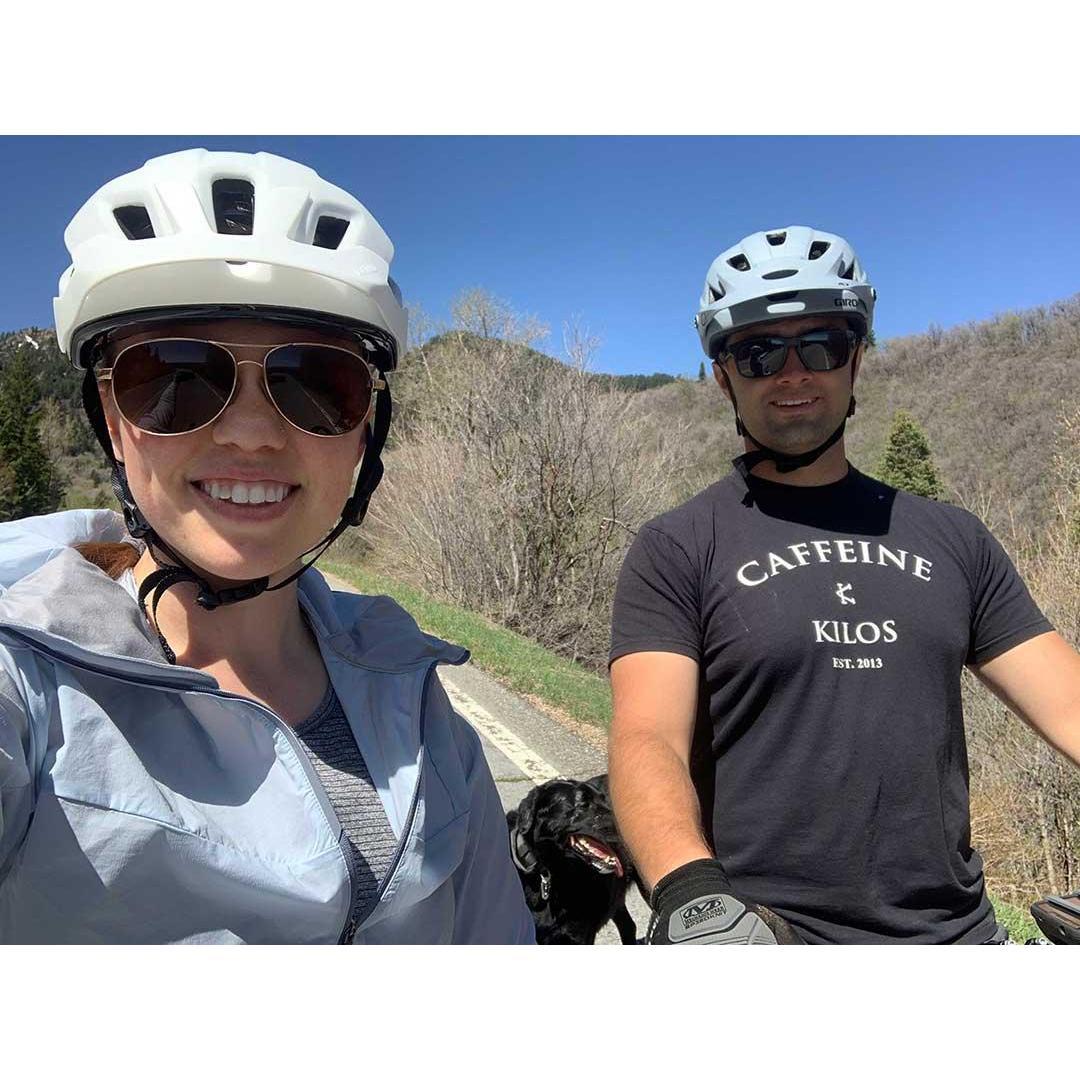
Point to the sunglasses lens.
(169, 387)
(757, 357)
(824, 351)
(321, 389)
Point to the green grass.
(520, 664)
(1017, 921)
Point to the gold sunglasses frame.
(377, 382)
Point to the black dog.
(572, 862)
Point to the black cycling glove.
(694, 904)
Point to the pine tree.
(30, 483)
(907, 463)
(701, 372)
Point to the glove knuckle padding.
(715, 919)
(693, 905)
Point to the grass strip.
(516, 661)
(1016, 920)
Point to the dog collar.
(527, 862)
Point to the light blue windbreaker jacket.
(141, 803)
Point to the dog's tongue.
(598, 853)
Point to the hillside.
(64, 430)
(988, 394)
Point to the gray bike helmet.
(779, 274)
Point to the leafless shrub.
(1026, 796)
(520, 481)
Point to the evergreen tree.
(701, 372)
(30, 483)
(907, 463)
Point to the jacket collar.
(62, 597)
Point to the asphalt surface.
(525, 745)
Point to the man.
(787, 650)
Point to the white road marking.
(530, 763)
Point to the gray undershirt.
(369, 841)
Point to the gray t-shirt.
(369, 841)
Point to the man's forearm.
(656, 805)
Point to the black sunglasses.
(174, 386)
(819, 350)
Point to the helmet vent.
(134, 222)
(715, 294)
(818, 248)
(394, 288)
(774, 274)
(780, 297)
(776, 238)
(847, 272)
(739, 262)
(329, 231)
(234, 206)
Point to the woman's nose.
(251, 421)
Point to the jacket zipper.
(316, 783)
(351, 926)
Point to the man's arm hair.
(1039, 680)
(656, 806)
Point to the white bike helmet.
(208, 235)
(778, 274)
(217, 232)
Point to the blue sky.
(620, 231)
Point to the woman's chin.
(223, 565)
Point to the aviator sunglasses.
(174, 386)
(819, 350)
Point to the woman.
(200, 741)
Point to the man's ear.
(718, 375)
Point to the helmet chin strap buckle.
(209, 599)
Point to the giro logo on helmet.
(848, 302)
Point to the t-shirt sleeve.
(1003, 612)
(657, 604)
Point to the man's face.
(796, 409)
(249, 444)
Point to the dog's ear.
(526, 813)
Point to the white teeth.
(801, 401)
(244, 493)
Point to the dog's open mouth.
(597, 854)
